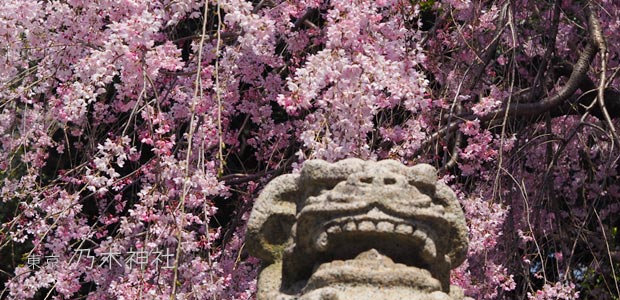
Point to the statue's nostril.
(389, 180)
(366, 179)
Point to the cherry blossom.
(153, 125)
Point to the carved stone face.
(338, 231)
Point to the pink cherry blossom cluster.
(135, 124)
(556, 291)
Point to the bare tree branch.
(580, 70)
(578, 75)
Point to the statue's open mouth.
(404, 241)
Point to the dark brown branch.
(596, 34)
(578, 75)
(579, 104)
(576, 78)
(489, 52)
(550, 49)
(303, 20)
(477, 70)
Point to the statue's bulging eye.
(366, 179)
(389, 180)
(440, 201)
(424, 189)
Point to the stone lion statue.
(358, 230)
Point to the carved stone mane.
(357, 230)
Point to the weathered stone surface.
(358, 230)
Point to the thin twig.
(185, 189)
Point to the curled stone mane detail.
(357, 229)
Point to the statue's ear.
(424, 177)
(272, 218)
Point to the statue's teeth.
(404, 228)
(321, 242)
(384, 226)
(429, 246)
(334, 229)
(350, 226)
(429, 249)
(366, 226)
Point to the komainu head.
(357, 230)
